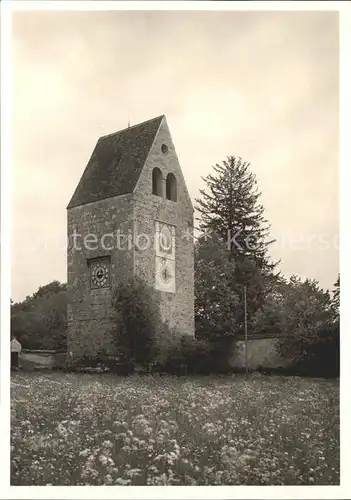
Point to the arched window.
(171, 187)
(157, 181)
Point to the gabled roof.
(15, 345)
(116, 163)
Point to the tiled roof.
(116, 163)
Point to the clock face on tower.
(99, 273)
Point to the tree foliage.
(335, 301)
(217, 301)
(137, 319)
(230, 207)
(232, 252)
(40, 321)
(303, 317)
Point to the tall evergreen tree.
(229, 206)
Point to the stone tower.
(130, 215)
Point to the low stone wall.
(261, 354)
(41, 360)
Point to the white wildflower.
(85, 452)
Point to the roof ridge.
(132, 126)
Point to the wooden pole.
(245, 306)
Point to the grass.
(79, 429)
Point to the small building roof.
(116, 163)
(15, 345)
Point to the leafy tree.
(52, 313)
(216, 300)
(268, 318)
(309, 334)
(50, 289)
(40, 321)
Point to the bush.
(167, 353)
(183, 354)
(309, 326)
(316, 354)
(102, 363)
(145, 339)
(137, 318)
(198, 355)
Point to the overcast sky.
(260, 85)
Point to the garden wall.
(40, 359)
(261, 353)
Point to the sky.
(260, 85)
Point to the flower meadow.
(82, 429)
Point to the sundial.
(166, 274)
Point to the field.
(80, 429)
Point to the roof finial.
(128, 123)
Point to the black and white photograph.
(174, 283)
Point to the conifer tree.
(229, 207)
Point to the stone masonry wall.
(90, 316)
(261, 353)
(178, 308)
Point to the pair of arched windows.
(171, 184)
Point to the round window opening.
(164, 149)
